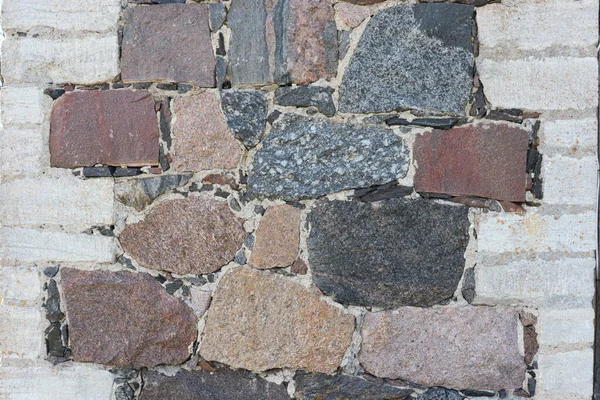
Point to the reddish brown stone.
(277, 238)
(190, 236)
(299, 267)
(125, 319)
(201, 137)
(104, 127)
(168, 42)
(221, 179)
(484, 160)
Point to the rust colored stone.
(483, 160)
(190, 236)
(299, 267)
(512, 207)
(170, 43)
(104, 127)
(221, 179)
(277, 238)
(201, 137)
(259, 321)
(125, 319)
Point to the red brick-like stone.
(125, 319)
(111, 127)
(485, 160)
(189, 236)
(169, 42)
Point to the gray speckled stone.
(138, 193)
(334, 387)
(306, 96)
(399, 252)
(440, 394)
(217, 14)
(246, 113)
(412, 57)
(309, 157)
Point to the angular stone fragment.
(201, 138)
(277, 238)
(306, 96)
(168, 42)
(354, 14)
(260, 321)
(484, 160)
(388, 254)
(246, 114)
(223, 384)
(218, 13)
(125, 319)
(189, 236)
(139, 193)
(363, 2)
(309, 157)
(328, 387)
(289, 41)
(104, 127)
(412, 56)
(461, 348)
(440, 394)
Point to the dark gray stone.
(306, 96)
(398, 252)
(139, 193)
(344, 43)
(52, 304)
(54, 341)
(155, 186)
(383, 192)
(217, 14)
(221, 72)
(468, 288)
(51, 272)
(97, 172)
(310, 157)
(438, 123)
(124, 392)
(412, 57)
(222, 384)
(246, 113)
(334, 387)
(440, 394)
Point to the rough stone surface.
(566, 327)
(484, 160)
(201, 138)
(223, 384)
(399, 252)
(354, 14)
(22, 335)
(189, 236)
(260, 321)
(306, 96)
(178, 51)
(418, 56)
(246, 114)
(554, 378)
(104, 127)
(440, 394)
(460, 348)
(291, 41)
(277, 238)
(570, 180)
(125, 319)
(363, 2)
(218, 13)
(328, 387)
(200, 300)
(309, 157)
(139, 193)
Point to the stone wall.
(309, 199)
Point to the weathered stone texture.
(575, 135)
(125, 319)
(201, 138)
(20, 284)
(440, 394)
(461, 348)
(306, 96)
(418, 56)
(22, 105)
(484, 160)
(246, 113)
(328, 387)
(291, 41)
(222, 384)
(217, 14)
(398, 252)
(554, 377)
(104, 127)
(260, 321)
(570, 180)
(566, 327)
(21, 331)
(23, 152)
(168, 42)
(190, 236)
(139, 193)
(309, 157)
(353, 14)
(277, 238)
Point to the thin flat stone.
(260, 321)
(189, 236)
(309, 157)
(111, 127)
(399, 252)
(246, 113)
(455, 347)
(306, 96)
(169, 42)
(139, 193)
(125, 319)
(485, 160)
(412, 57)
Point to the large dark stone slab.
(223, 384)
(334, 387)
(305, 96)
(246, 113)
(412, 57)
(309, 157)
(398, 252)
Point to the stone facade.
(298, 199)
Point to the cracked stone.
(246, 113)
(139, 193)
(306, 96)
